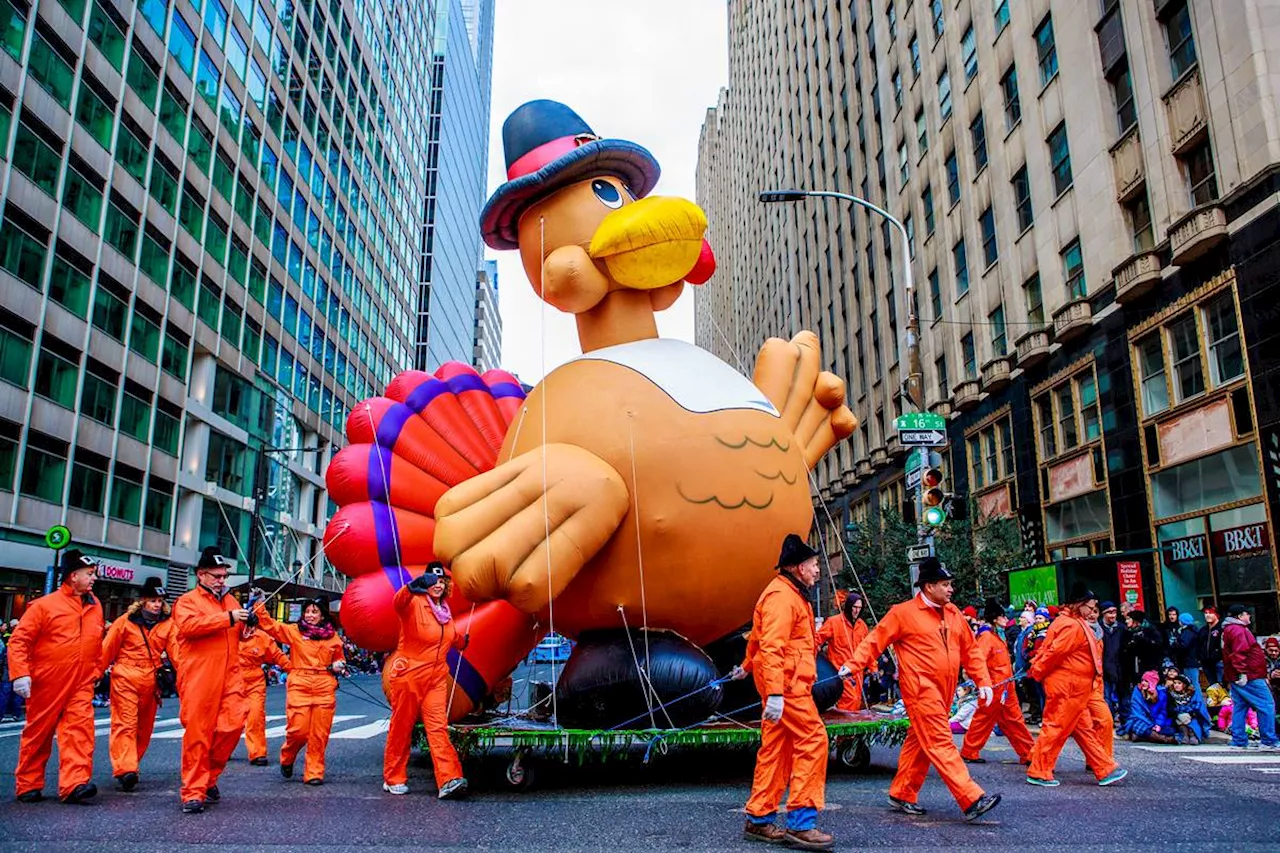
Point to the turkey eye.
(607, 193)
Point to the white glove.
(1241, 679)
(339, 667)
(22, 686)
(986, 695)
(817, 622)
(845, 672)
(737, 673)
(773, 708)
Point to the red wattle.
(704, 268)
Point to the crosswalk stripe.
(1235, 759)
(368, 730)
(177, 733)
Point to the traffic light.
(932, 494)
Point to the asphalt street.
(1191, 799)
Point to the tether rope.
(546, 511)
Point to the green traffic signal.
(934, 516)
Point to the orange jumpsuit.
(841, 640)
(1004, 710)
(255, 652)
(56, 645)
(781, 657)
(1069, 665)
(311, 694)
(932, 644)
(416, 681)
(209, 686)
(133, 653)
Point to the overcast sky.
(644, 71)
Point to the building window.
(970, 354)
(990, 251)
(1001, 15)
(991, 454)
(35, 158)
(944, 95)
(98, 394)
(1022, 199)
(978, 136)
(969, 53)
(1090, 416)
(20, 253)
(1073, 270)
(892, 14)
(1046, 51)
(953, 178)
(944, 383)
(1034, 300)
(159, 507)
(43, 468)
(126, 494)
(922, 133)
(1121, 82)
(1060, 158)
(15, 349)
(1155, 388)
(909, 225)
(935, 10)
(1226, 362)
(913, 48)
(1012, 103)
(999, 339)
(1184, 346)
(904, 168)
(926, 199)
(1138, 212)
(1066, 406)
(1182, 44)
(961, 259)
(897, 89)
(1201, 178)
(935, 294)
(1048, 436)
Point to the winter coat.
(1141, 651)
(1241, 652)
(1146, 717)
(1187, 650)
(1200, 722)
(1210, 639)
(1112, 641)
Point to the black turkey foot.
(601, 686)
(741, 701)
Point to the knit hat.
(1237, 610)
(73, 559)
(1107, 605)
(1186, 619)
(970, 611)
(1150, 679)
(1043, 613)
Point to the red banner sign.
(1241, 541)
(1130, 575)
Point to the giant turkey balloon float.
(635, 500)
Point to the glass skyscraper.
(457, 169)
(210, 235)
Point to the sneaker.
(978, 760)
(1113, 777)
(906, 808)
(454, 789)
(809, 839)
(1270, 747)
(213, 795)
(315, 783)
(192, 807)
(985, 803)
(30, 797)
(1043, 783)
(286, 770)
(81, 794)
(395, 789)
(770, 833)
(128, 781)
(260, 761)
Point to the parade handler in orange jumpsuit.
(841, 635)
(207, 623)
(256, 651)
(416, 680)
(932, 641)
(781, 656)
(1005, 711)
(133, 649)
(1069, 665)
(315, 661)
(53, 661)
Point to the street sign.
(920, 420)
(913, 479)
(916, 553)
(923, 437)
(57, 537)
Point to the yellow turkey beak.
(650, 243)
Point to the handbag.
(166, 675)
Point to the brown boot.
(810, 839)
(770, 833)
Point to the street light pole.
(259, 492)
(915, 384)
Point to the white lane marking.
(177, 733)
(368, 730)
(1235, 759)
